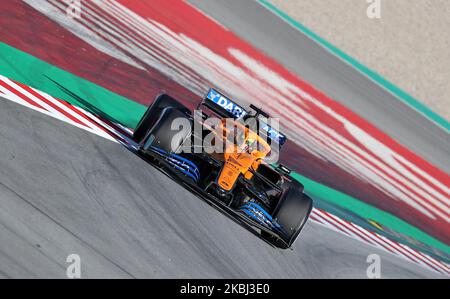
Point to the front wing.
(184, 177)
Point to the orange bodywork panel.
(240, 158)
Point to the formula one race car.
(219, 153)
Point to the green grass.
(27, 69)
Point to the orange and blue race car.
(221, 152)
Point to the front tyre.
(291, 213)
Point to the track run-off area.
(138, 49)
(76, 116)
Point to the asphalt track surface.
(65, 191)
(273, 36)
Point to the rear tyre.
(161, 134)
(152, 114)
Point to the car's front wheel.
(291, 214)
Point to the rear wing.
(273, 134)
(226, 108)
(222, 105)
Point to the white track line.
(118, 133)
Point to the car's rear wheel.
(162, 136)
(152, 114)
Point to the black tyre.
(291, 213)
(161, 134)
(292, 183)
(152, 114)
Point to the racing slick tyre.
(291, 213)
(162, 136)
(152, 114)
